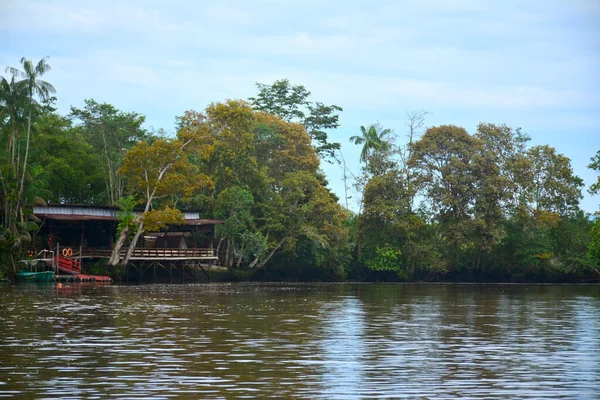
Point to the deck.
(143, 254)
(187, 261)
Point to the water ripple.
(300, 341)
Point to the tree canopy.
(442, 204)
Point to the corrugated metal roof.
(67, 212)
(76, 210)
(67, 217)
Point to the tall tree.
(291, 104)
(445, 159)
(34, 87)
(18, 179)
(156, 172)
(73, 168)
(371, 141)
(111, 132)
(555, 187)
(595, 165)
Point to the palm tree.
(13, 101)
(371, 141)
(12, 104)
(34, 87)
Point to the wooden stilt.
(154, 275)
(127, 273)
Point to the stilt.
(183, 273)
(127, 273)
(154, 275)
(171, 273)
(141, 272)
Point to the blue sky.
(529, 64)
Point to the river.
(314, 341)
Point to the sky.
(530, 64)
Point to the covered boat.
(43, 276)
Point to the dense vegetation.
(442, 205)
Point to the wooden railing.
(141, 252)
(171, 253)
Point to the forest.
(438, 203)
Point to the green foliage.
(372, 141)
(594, 245)
(22, 185)
(126, 216)
(490, 206)
(554, 187)
(110, 133)
(158, 219)
(290, 103)
(595, 165)
(71, 164)
(387, 259)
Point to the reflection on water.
(300, 341)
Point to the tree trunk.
(115, 256)
(456, 255)
(134, 241)
(217, 252)
(266, 260)
(253, 263)
(227, 251)
(22, 186)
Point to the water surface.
(340, 341)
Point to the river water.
(323, 341)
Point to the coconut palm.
(12, 105)
(13, 101)
(372, 141)
(33, 87)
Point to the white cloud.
(531, 63)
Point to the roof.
(70, 212)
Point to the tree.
(18, 107)
(595, 165)
(372, 142)
(445, 160)
(234, 207)
(555, 188)
(291, 104)
(33, 86)
(111, 133)
(154, 172)
(72, 166)
(594, 245)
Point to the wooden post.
(154, 275)
(141, 272)
(81, 246)
(171, 273)
(183, 273)
(127, 273)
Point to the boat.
(44, 276)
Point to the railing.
(171, 253)
(68, 265)
(104, 252)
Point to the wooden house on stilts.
(86, 234)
